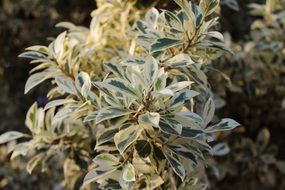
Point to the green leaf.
(190, 133)
(170, 126)
(36, 79)
(224, 125)
(150, 118)
(83, 83)
(129, 173)
(122, 86)
(35, 118)
(134, 61)
(91, 117)
(151, 70)
(96, 174)
(115, 69)
(176, 165)
(143, 148)
(183, 151)
(209, 111)
(111, 112)
(58, 102)
(10, 136)
(33, 55)
(208, 6)
(106, 159)
(160, 82)
(190, 119)
(180, 97)
(126, 137)
(65, 84)
(164, 43)
(106, 136)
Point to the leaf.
(65, 84)
(176, 166)
(10, 136)
(90, 117)
(58, 102)
(122, 86)
(33, 162)
(31, 117)
(216, 35)
(37, 48)
(106, 159)
(106, 136)
(134, 61)
(129, 173)
(190, 133)
(150, 118)
(179, 86)
(160, 83)
(224, 125)
(96, 174)
(115, 69)
(180, 97)
(152, 17)
(208, 6)
(186, 6)
(190, 119)
(220, 149)
(151, 70)
(173, 21)
(36, 79)
(166, 92)
(170, 126)
(180, 60)
(181, 150)
(83, 83)
(33, 55)
(209, 111)
(143, 148)
(20, 149)
(126, 137)
(111, 112)
(164, 43)
(58, 46)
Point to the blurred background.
(256, 158)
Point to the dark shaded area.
(24, 23)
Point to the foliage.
(133, 84)
(255, 97)
(254, 162)
(257, 68)
(23, 23)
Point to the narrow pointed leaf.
(111, 112)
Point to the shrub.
(132, 85)
(257, 69)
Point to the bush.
(134, 86)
